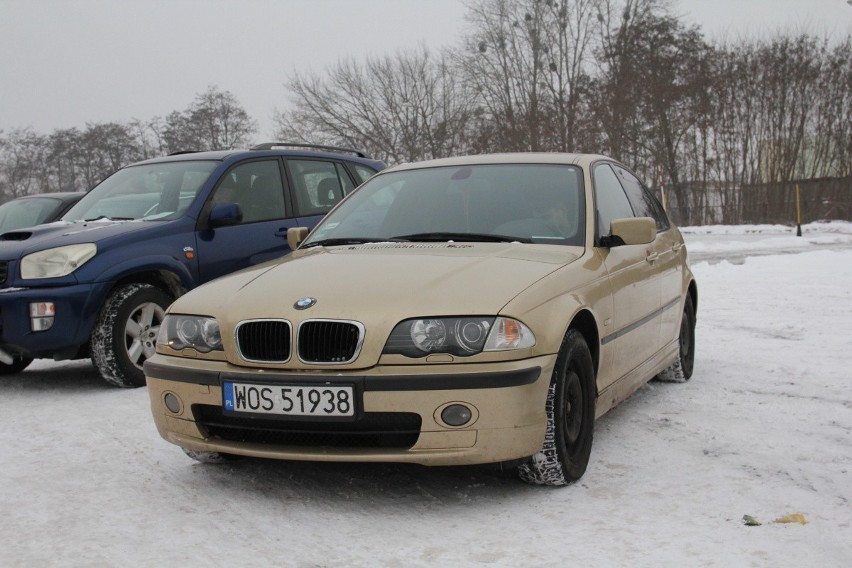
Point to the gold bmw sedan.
(466, 310)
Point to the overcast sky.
(64, 63)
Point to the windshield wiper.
(464, 237)
(108, 218)
(351, 241)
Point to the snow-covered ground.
(738, 242)
(763, 429)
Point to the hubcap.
(573, 408)
(140, 332)
(684, 336)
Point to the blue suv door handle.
(282, 232)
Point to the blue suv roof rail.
(271, 145)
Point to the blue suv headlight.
(57, 262)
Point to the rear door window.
(643, 201)
(318, 185)
(363, 172)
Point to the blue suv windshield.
(150, 192)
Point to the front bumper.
(76, 309)
(507, 400)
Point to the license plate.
(289, 400)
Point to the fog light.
(172, 402)
(42, 315)
(456, 415)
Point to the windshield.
(151, 192)
(539, 203)
(20, 213)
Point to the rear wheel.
(18, 364)
(570, 409)
(126, 333)
(681, 370)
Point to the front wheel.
(18, 364)
(126, 333)
(570, 409)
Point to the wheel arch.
(692, 290)
(164, 279)
(585, 323)
(159, 270)
(167, 278)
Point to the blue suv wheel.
(126, 333)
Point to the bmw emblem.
(304, 303)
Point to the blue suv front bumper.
(76, 309)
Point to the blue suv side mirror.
(225, 214)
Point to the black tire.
(210, 457)
(570, 411)
(126, 333)
(681, 370)
(18, 364)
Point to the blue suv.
(97, 282)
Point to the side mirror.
(631, 231)
(224, 215)
(295, 236)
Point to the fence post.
(798, 213)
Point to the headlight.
(457, 336)
(195, 332)
(56, 262)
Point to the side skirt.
(618, 391)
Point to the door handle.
(652, 256)
(282, 232)
(676, 247)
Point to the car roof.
(270, 149)
(505, 158)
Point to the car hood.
(378, 285)
(14, 244)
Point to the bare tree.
(20, 158)
(214, 121)
(526, 61)
(399, 108)
(103, 149)
(149, 136)
(653, 91)
(829, 144)
(58, 169)
(65, 160)
(504, 64)
(569, 33)
(732, 159)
